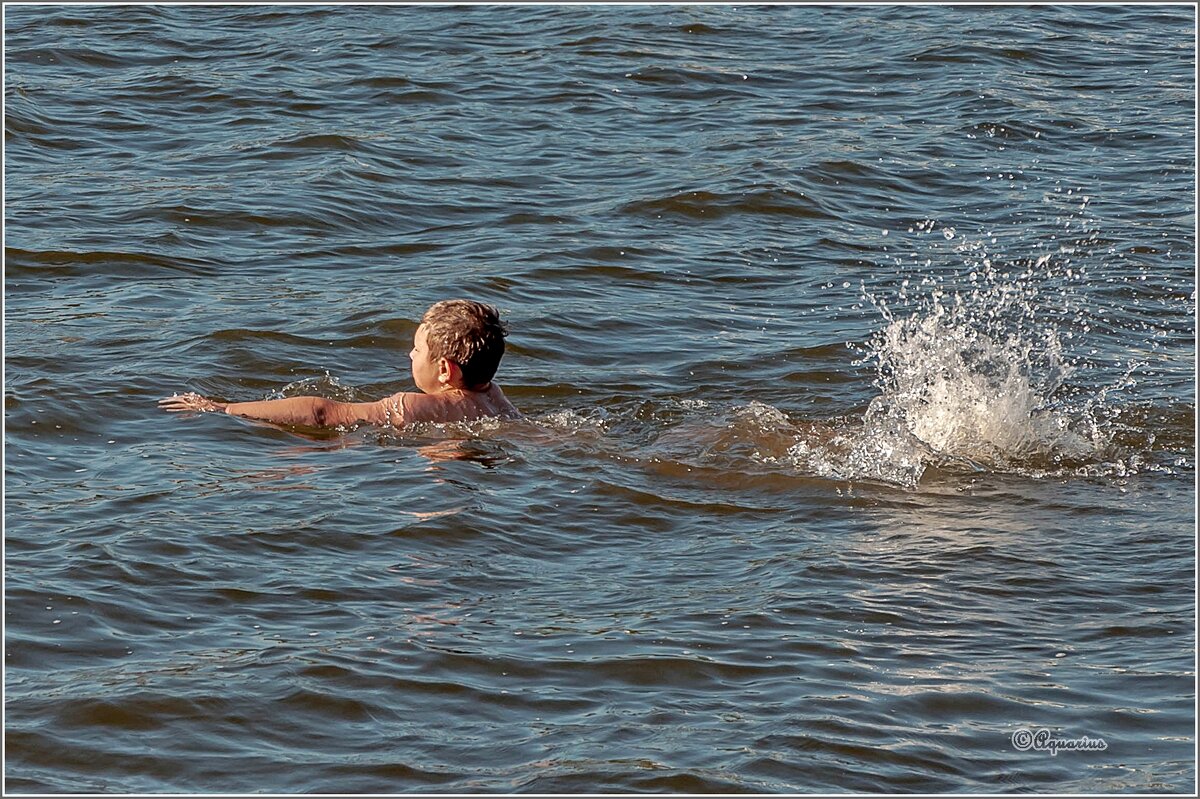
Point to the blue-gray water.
(857, 349)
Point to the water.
(857, 347)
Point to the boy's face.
(424, 370)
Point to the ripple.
(41, 263)
(709, 205)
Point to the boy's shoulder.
(456, 407)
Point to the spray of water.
(976, 377)
(967, 385)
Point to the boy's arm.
(311, 411)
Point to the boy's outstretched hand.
(190, 402)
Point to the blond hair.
(468, 333)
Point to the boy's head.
(469, 335)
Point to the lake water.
(857, 350)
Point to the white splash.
(976, 379)
(983, 397)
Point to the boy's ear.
(449, 373)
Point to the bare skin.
(443, 398)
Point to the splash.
(956, 380)
(977, 378)
(326, 385)
(991, 365)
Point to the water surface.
(857, 350)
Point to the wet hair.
(468, 333)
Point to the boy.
(456, 351)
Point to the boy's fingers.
(190, 401)
(176, 403)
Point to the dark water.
(857, 346)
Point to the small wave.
(226, 220)
(72, 56)
(34, 263)
(709, 205)
(20, 119)
(699, 28)
(161, 88)
(321, 141)
(683, 84)
(417, 97)
(533, 218)
(385, 82)
(663, 76)
(365, 252)
(959, 54)
(247, 336)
